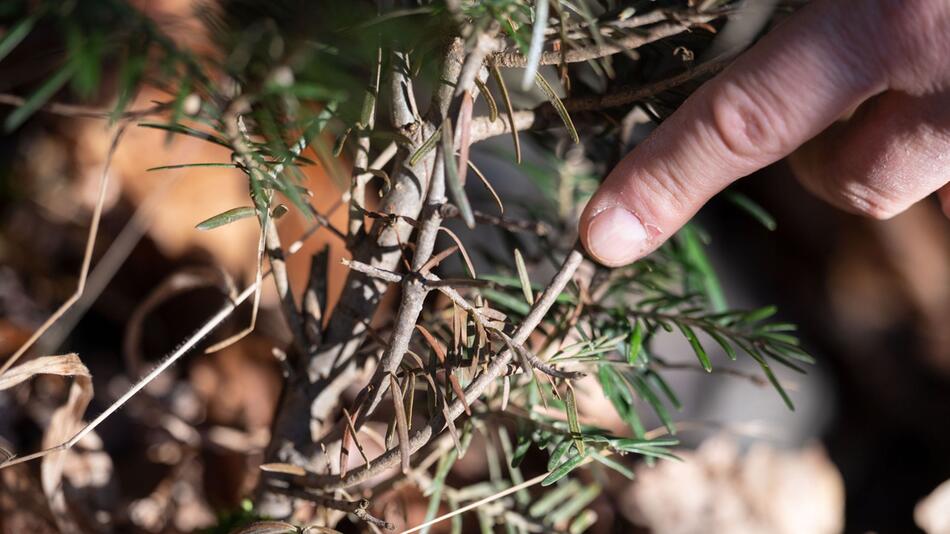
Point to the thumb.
(783, 91)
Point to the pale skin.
(857, 92)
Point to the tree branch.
(304, 415)
(421, 436)
(358, 508)
(635, 40)
(544, 115)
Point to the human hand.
(887, 59)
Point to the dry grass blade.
(487, 184)
(440, 354)
(402, 428)
(432, 342)
(558, 106)
(489, 100)
(351, 430)
(221, 345)
(458, 242)
(284, 469)
(86, 259)
(509, 109)
(436, 259)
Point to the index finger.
(783, 91)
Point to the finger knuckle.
(743, 125)
(868, 200)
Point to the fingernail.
(616, 237)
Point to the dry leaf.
(286, 469)
(64, 365)
(63, 424)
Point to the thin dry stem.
(542, 116)
(166, 362)
(87, 255)
(576, 55)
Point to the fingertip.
(614, 236)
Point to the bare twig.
(629, 42)
(413, 296)
(483, 128)
(629, 94)
(537, 363)
(449, 211)
(357, 508)
(475, 389)
(374, 272)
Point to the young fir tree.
(390, 98)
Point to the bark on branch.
(478, 386)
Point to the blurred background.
(865, 451)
